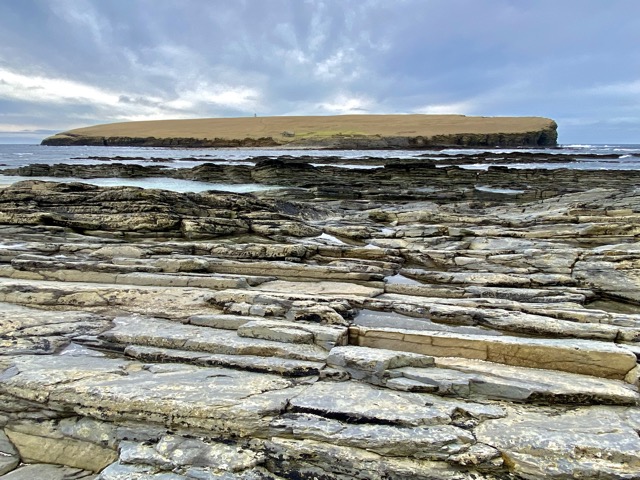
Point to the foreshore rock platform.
(332, 132)
(402, 324)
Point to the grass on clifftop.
(317, 127)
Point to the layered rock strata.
(147, 334)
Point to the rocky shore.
(326, 132)
(400, 322)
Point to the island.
(327, 132)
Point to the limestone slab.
(359, 402)
(9, 456)
(336, 288)
(363, 362)
(325, 336)
(573, 444)
(50, 472)
(113, 390)
(168, 334)
(599, 359)
(252, 363)
(62, 451)
(425, 442)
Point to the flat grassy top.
(317, 126)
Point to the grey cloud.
(169, 58)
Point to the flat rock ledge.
(147, 334)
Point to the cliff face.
(67, 139)
(343, 132)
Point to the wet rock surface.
(146, 334)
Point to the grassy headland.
(340, 131)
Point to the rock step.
(173, 335)
(519, 259)
(221, 401)
(332, 309)
(276, 329)
(220, 321)
(381, 319)
(599, 359)
(130, 253)
(561, 319)
(489, 279)
(370, 364)
(322, 288)
(436, 442)
(476, 379)
(50, 472)
(548, 295)
(588, 442)
(325, 336)
(251, 363)
(289, 270)
(538, 319)
(168, 302)
(214, 282)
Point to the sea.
(619, 157)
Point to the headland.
(328, 132)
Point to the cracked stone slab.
(38, 447)
(9, 456)
(321, 288)
(50, 472)
(313, 459)
(581, 443)
(425, 442)
(360, 402)
(585, 357)
(32, 331)
(217, 399)
(364, 363)
(554, 386)
(253, 363)
(168, 334)
(325, 336)
(477, 378)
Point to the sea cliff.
(330, 132)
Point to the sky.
(72, 63)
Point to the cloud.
(81, 62)
(345, 103)
(17, 86)
(463, 108)
(624, 89)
